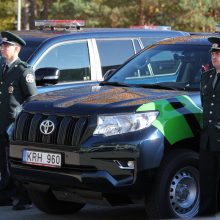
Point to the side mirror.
(47, 75)
(108, 73)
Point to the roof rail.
(153, 27)
(64, 24)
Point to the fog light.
(131, 164)
(125, 165)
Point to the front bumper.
(80, 170)
(95, 166)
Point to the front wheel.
(47, 202)
(176, 192)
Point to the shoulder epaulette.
(24, 64)
(209, 71)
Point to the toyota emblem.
(47, 127)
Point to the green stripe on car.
(171, 123)
(192, 107)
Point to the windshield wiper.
(158, 86)
(182, 86)
(166, 85)
(113, 84)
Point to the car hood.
(96, 99)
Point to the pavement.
(89, 212)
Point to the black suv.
(81, 55)
(134, 136)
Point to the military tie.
(5, 69)
(216, 80)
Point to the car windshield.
(174, 65)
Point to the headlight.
(18, 109)
(10, 130)
(119, 124)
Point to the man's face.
(216, 59)
(9, 51)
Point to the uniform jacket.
(16, 86)
(210, 138)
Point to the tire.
(176, 192)
(47, 202)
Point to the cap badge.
(4, 39)
(215, 45)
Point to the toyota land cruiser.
(132, 138)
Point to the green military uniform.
(210, 139)
(209, 163)
(17, 84)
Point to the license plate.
(41, 158)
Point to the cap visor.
(8, 42)
(214, 39)
(214, 50)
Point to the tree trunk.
(141, 12)
(46, 4)
(26, 15)
(32, 14)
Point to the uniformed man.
(210, 137)
(17, 84)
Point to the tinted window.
(165, 63)
(114, 52)
(72, 59)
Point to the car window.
(71, 58)
(165, 63)
(114, 52)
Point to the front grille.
(68, 131)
